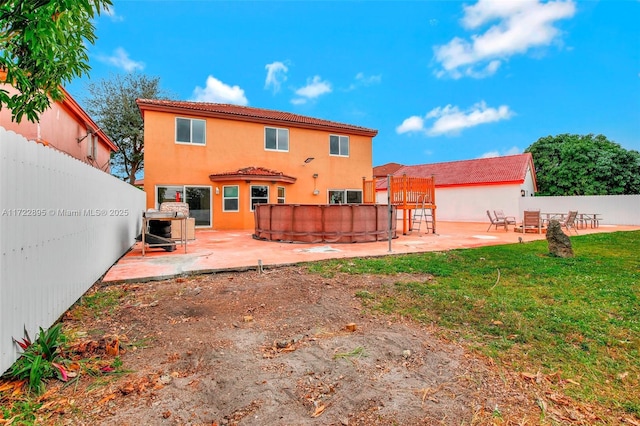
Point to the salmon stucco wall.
(232, 145)
(61, 129)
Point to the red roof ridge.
(491, 170)
(254, 173)
(252, 114)
(473, 160)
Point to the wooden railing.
(368, 191)
(406, 193)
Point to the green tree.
(584, 165)
(112, 104)
(43, 44)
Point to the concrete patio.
(217, 251)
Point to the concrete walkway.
(217, 251)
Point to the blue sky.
(439, 80)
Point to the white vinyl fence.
(63, 224)
(612, 209)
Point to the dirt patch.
(279, 348)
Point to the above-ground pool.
(331, 223)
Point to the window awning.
(253, 174)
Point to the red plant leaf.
(63, 372)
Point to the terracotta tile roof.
(237, 112)
(386, 169)
(253, 173)
(482, 171)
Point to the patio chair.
(532, 220)
(495, 222)
(570, 222)
(508, 220)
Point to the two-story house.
(224, 159)
(64, 126)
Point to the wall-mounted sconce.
(217, 191)
(315, 176)
(523, 192)
(308, 160)
(316, 192)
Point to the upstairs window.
(189, 130)
(339, 145)
(276, 139)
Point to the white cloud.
(450, 120)
(368, 80)
(517, 27)
(110, 11)
(362, 80)
(314, 88)
(276, 75)
(120, 59)
(298, 101)
(490, 154)
(411, 124)
(511, 151)
(217, 91)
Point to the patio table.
(548, 217)
(589, 218)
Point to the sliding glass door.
(198, 198)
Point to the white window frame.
(183, 198)
(277, 148)
(340, 146)
(281, 199)
(190, 142)
(345, 195)
(251, 198)
(224, 198)
(210, 203)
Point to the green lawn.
(529, 311)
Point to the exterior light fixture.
(308, 160)
(523, 192)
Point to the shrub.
(40, 359)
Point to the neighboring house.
(465, 190)
(223, 159)
(385, 170)
(66, 127)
